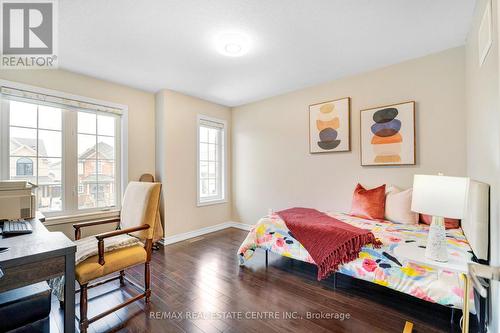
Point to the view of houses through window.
(36, 150)
(96, 160)
(36, 154)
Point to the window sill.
(82, 217)
(211, 203)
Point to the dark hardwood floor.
(201, 277)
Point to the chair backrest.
(158, 232)
(140, 206)
(147, 177)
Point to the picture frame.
(330, 126)
(387, 135)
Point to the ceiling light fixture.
(232, 44)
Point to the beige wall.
(141, 136)
(272, 167)
(176, 147)
(483, 130)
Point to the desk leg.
(465, 307)
(69, 294)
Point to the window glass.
(23, 114)
(87, 122)
(49, 143)
(50, 118)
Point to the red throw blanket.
(330, 242)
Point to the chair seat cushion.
(115, 261)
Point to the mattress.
(377, 265)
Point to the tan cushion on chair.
(115, 261)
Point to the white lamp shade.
(440, 196)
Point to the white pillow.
(398, 206)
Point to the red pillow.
(448, 223)
(368, 204)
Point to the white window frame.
(223, 162)
(70, 211)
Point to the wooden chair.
(138, 218)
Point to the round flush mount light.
(233, 48)
(232, 44)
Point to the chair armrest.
(80, 225)
(104, 235)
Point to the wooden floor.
(201, 277)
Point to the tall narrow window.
(35, 140)
(96, 160)
(211, 160)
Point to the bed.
(382, 265)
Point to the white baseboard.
(241, 226)
(196, 233)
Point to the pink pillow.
(398, 206)
(448, 223)
(368, 204)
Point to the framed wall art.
(388, 135)
(330, 126)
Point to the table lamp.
(439, 196)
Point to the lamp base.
(436, 241)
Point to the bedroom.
(242, 110)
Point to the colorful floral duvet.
(382, 265)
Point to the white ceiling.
(159, 44)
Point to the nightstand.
(417, 255)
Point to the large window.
(211, 161)
(71, 153)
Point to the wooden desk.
(40, 256)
